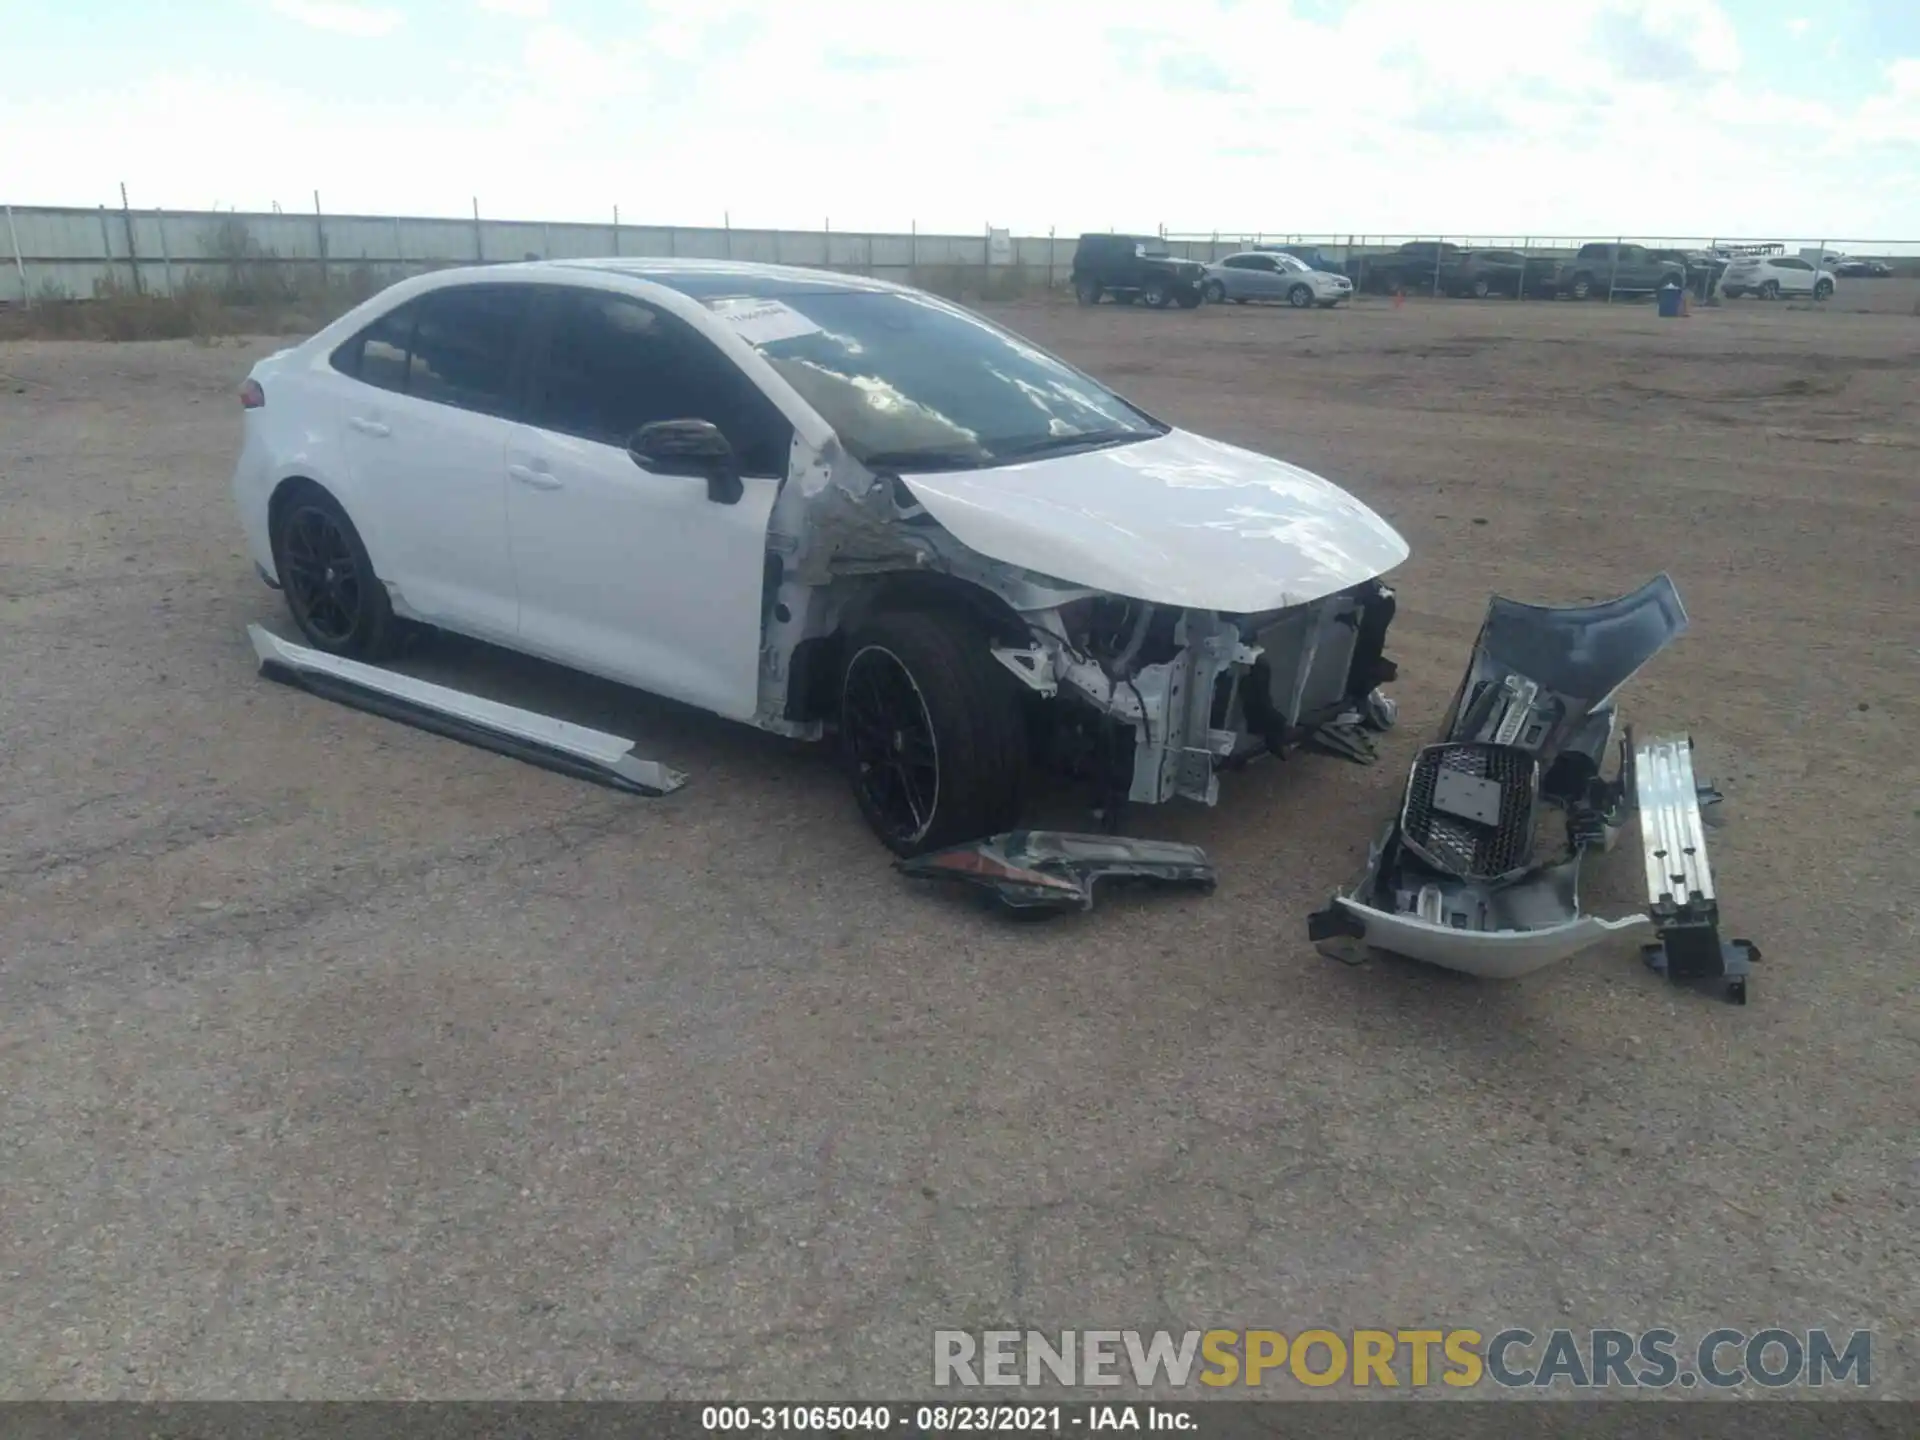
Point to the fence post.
(913, 252)
(1613, 273)
(616, 229)
(1050, 252)
(320, 243)
(133, 255)
(399, 248)
(546, 241)
(1819, 267)
(106, 240)
(1438, 246)
(166, 255)
(726, 223)
(19, 265)
(479, 250)
(1526, 264)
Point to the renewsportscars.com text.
(1459, 1358)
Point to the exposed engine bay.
(1169, 696)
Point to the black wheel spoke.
(322, 575)
(889, 736)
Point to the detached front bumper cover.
(1458, 879)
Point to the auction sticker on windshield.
(762, 322)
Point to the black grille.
(1469, 848)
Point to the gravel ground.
(341, 1060)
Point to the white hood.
(1177, 520)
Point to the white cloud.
(342, 17)
(1799, 26)
(525, 9)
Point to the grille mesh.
(1463, 847)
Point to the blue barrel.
(1670, 301)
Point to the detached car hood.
(1176, 520)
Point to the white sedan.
(814, 503)
(1266, 275)
(1771, 276)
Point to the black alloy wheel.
(890, 742)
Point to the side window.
(465, 345)
(1238, 262)
(378, 354)
(614, 364)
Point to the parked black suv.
(1481, 273)
(1134, 267)
(1619, 270)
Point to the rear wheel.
(1480, 288)
(1215, 292)
(1769, 290)
(1822, 289)
(1300, 297)
(340, 605)
(1582, 287)
(1158, 294)
(932, 733)
(1087, 290)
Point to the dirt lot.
(339, 1059)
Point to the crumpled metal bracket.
(1049, 872)
(556, 745)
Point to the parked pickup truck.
(1607, 268)
(1481, 273)
(1410, 268)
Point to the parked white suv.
(1266, 275)
(1771, 276)
(812, 502)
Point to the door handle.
(369, 427)
(538, 479)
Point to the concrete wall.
(76, 252)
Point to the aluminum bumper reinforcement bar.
(1680, 895)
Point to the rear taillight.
(252, 397)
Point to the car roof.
(707, 279)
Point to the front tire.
(1215, 292)
(1158, 294)
(1480, 288)
(1770, 290)
(1582, 288)
(1087, 290)
(1300, 297)
(339, 604)
(1822, 289)
(932, 732)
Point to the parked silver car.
(1263, 275)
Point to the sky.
(1708, 118)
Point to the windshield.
(909, 382)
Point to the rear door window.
(466, 347)
(377, 356)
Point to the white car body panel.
(1177, 520)
(431, 482)
(634, 576)
(1748, 274)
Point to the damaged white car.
(817, 504)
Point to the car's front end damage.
(1187, 692)
(1221, 605)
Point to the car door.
(425, 436)
(633, 575)
(1262, 278)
